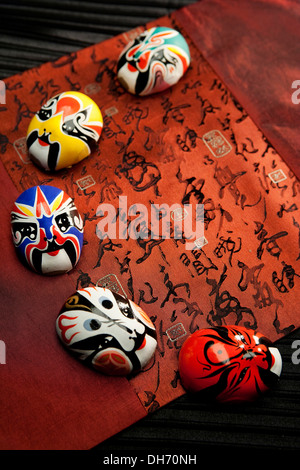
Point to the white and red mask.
(106, 331)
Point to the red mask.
(229, 363)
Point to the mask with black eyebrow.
(64, 131)
(124, 305)
(76, 126)
(107, 331)
(47, 230)
(48, 109)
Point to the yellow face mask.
(64, 131)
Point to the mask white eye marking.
(63, 222)
(92, 325)
(21, 230)
(106, 303)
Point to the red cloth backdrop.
(195, 143)
(253, 45)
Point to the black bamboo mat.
(33, 32)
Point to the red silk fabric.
(194, 143)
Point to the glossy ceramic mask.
(107, 331)
(64, 131)
(47, 230)
(229, 364)
(153, 61)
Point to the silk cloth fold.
(253, 47)
(204, 141)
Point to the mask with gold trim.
(64, 131)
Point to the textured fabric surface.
(48, 402)
(251, 229)
(253, 46)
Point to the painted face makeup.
(47, 230)
(106, 331)
(229, 364)
(154, 61)
(64, 131)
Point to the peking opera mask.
(229, 363)
(64, 131)
(106, 331)
(47, 230)
(154, 61)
